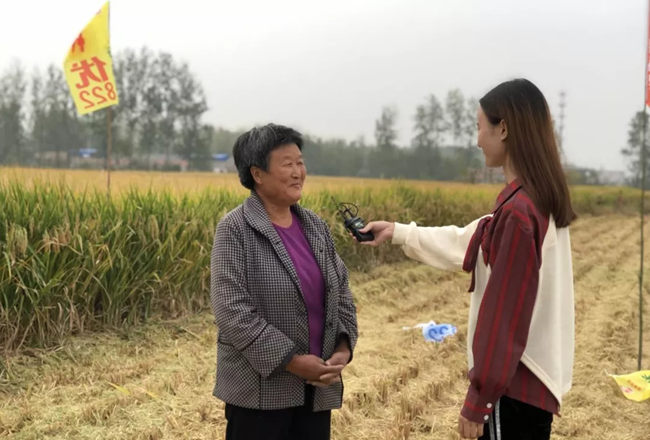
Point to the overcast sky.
(328, 67)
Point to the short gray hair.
(253, 147)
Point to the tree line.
(160, 117)
(160, 110)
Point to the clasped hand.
(319, 372)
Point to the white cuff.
(401, 232)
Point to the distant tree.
(160, 111)
(199, 138)
(194, 138)
(456, 115)
(149, 116)
(632, 152)
(469, 123)
(383, 161)
(429, 126)
(168, 90)
(385, 132)
(13, 85)
(37, 125)
(422, 135)
(473, 157)
(63, 130)
(132, 74)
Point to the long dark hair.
(530, 145)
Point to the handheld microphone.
(353, 223)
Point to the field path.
(154, 381)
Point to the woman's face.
(282, 183)
(491, 140)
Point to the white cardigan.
(550, 347)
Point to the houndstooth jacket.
(260, 312)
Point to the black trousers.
(299, 423)
(515, 420)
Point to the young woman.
(521, 319)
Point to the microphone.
(354, 223)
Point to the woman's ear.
(503, 129)
(257, 174)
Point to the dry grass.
(155, 381)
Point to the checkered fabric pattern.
(260, 312)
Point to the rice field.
(590, 199)
(192, 182)
(80, 366)
(76, 260)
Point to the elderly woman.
(280, 295)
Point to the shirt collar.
(506, 193)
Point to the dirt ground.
(155, 381)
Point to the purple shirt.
(311, 280)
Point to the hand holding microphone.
(373, 234)
(381, 230)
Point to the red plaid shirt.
(511, 242)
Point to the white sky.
(328, 67)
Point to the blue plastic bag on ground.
(437, 332)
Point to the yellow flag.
(88, 66)
(635, 386)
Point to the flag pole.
(109, 122)
(643, 179)
(109, 141)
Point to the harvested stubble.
(154, 381)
